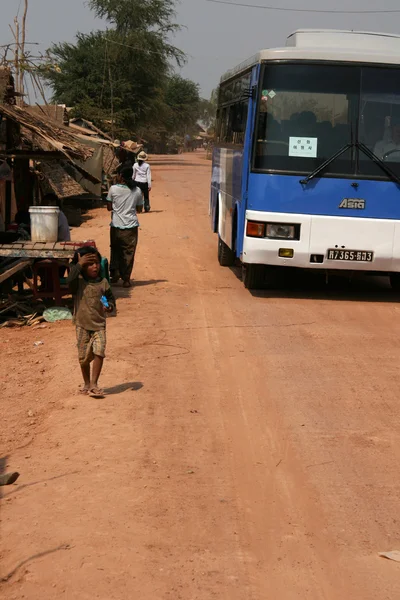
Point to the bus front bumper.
(324, 242)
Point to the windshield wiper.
(322, 167)
(378, 161)
(365, 151)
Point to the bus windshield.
(308, 112)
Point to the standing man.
(142, 176)
(122, 201)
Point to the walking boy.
(142, 176)
(93, 298)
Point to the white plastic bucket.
(44, 223)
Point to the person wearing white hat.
(142, 176)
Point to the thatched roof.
(82, 130)
(58, 137)
(110, 161)
(55, 112)
(90, 127)
(59, 182)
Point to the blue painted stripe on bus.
(285, 194)
(241, 201)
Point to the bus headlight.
(280, 231)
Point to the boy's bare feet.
(127, 284)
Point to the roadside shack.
(37, 155)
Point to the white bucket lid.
(48, 209)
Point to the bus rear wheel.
(395, 281)
(253, 276)
(226, 256)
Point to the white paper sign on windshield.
(302, 146)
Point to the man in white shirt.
(122, 201)
(142, 176)
(389, 150)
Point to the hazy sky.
(215, 37)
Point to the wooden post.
(16, 53)
(8, 183)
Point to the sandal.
(96, 392)
(8, 478)
(127, 284)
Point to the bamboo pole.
(16, 52)
(23, 40)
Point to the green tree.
(137, 15)
(208, 110)
(182, 101)
(120, 75)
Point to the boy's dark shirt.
(88, 309)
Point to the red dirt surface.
(248, 447)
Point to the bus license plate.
(351, 255)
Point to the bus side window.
(239, 122)
(224, 125)
(232, 118)
(218, 125)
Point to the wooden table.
(42, 250)
(21, 254)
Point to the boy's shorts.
(90, 344)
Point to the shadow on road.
(304, 285)
(175, 163)
(134, 386)
(29, 559)
(148, 282)
(19, 488)
(121, 292)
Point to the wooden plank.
(18, 266)
(21, 253)
(40, 249)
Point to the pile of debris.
(19, 313)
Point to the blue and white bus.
(306, 166)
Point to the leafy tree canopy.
(131, 15)
(123, 76)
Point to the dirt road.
(248, 448)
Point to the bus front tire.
(253, 276)
(395, 281)
(226, 256)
